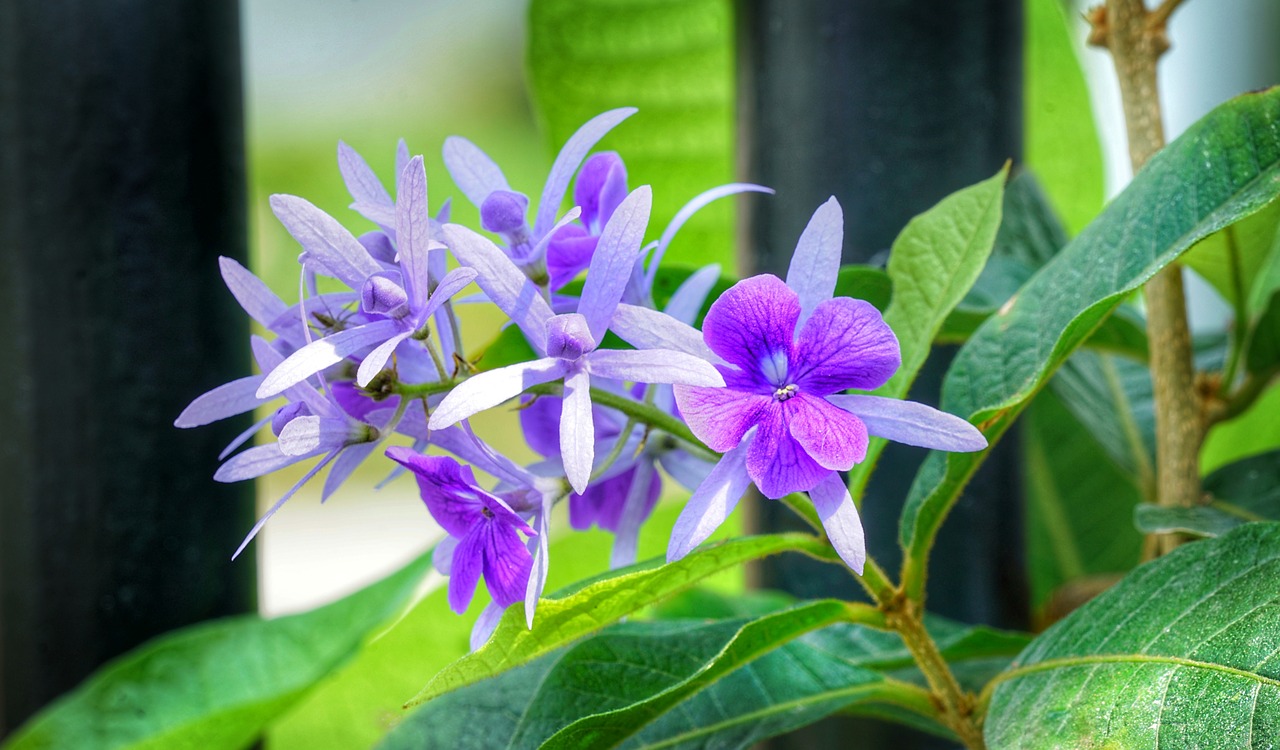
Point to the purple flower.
(781, 419)
(484, 528)
(568, 341)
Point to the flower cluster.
(763, 383)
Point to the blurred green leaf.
(1061, 139)
(1201, 521)
(865, 283)
(674, 61)
(1246, 245)
(217, 684)
(1178, 654)
(1223, 168)
(1249, 488)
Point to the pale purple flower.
(782, 420)
(568, 342)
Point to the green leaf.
(1079, 503)
(1061, 139)
(865, 283)
(1200, 521)
(1249, 488)
(1112, 397)
(569, 615)
(1263, 347)
(1222, 169)
(1178, 654)
(674, 61)
(1247, 245)
(217, 684)
(933, 264)
(1253, 432)
(509, 347)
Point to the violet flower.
(781, 420)
(568, 341)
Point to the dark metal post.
(121, 181)
(889, 105)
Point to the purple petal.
(615, 256)
(325, 352)
(642, 495)
(696, 204)
(507, 563)
(752, 325)
(540, 423)
(447, 488)
(463, 443)
(475, 174)
(347, 462)
(486, 623)
(600, 187)
(379, 246)
(486, 390)
(413, 230)
(649, 329)
(711, 503)
(373, 362)
(243, 437)
(442, 555)
(254, 296)
(846, 344)
(362, 183)
(686, 302)
(452, 283)
(290, 323)
(280, 503)
(438, 264)
(227, 400)
(839, 517)
(382, 214)
(541, 563)
(653, 366)
(912, 423)
(567, 161)
(543, 246)
(307, 435)
(255, 462)
(815, 264)
(687, 469)
(468, 563)
(777, 463)
(504, 284)
(577, 432)
(720, 417)
(831, 436)
(569, 253)
(325, 240)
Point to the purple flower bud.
(383, 295)
(379, 246)
(287, 414)
(601, 186)
(503, 212)
(569, 336)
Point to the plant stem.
(1136, 39)
(957, 705)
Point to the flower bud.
(569, 337)
(287, 414)
(383, 295)
(503, 212)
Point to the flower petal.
(846, 344)
(280, 503)
(507, 563)
(567, 161)
(442, 555)
(831, 436)
(642, 495)
(568, 254)
(486, 390)
(475, 174)
(815, 264)
(325, 240)
(614, 258)
(711, 503)
(413, 230)
(373, 362)
(227, 400)
(720, 417)
(752, 326)
(251, 292)
(452, 283)
(840, 519)
(361, 182)
(504, 284)
(254, 462)
(323, 353)
(649, 329)
(541, 563)
(912, 423)
(346, 464)
(600, 187)
(306, 435)
(243, 437)
(653, 366)
(447, 488)
(686, 212)
(468, 564)
(486, 623)
(777, 463)
(687, 300)
(577, 430)
(686, 468)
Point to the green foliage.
(672, 60)
(584, 608)
(1178, 654)
(1196, 186)
(217, 684)
(1200, 521)
(1254, 431)
(698, 683)
(1235, 260)
(1061, 141)
(865, 283)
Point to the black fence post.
(889, 105)
(121, 182)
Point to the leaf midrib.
(1067, 662)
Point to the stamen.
(786, 392)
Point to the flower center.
(484, 511)
(774, 367)
(786, 392)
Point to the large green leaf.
(1253, 432)
(694, 683)
(568, 615)
(932, 265)
(1223, 168)
(1061, 138)
(1181, 653)
(1234, 258)
(217, 684)
(674, 61)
